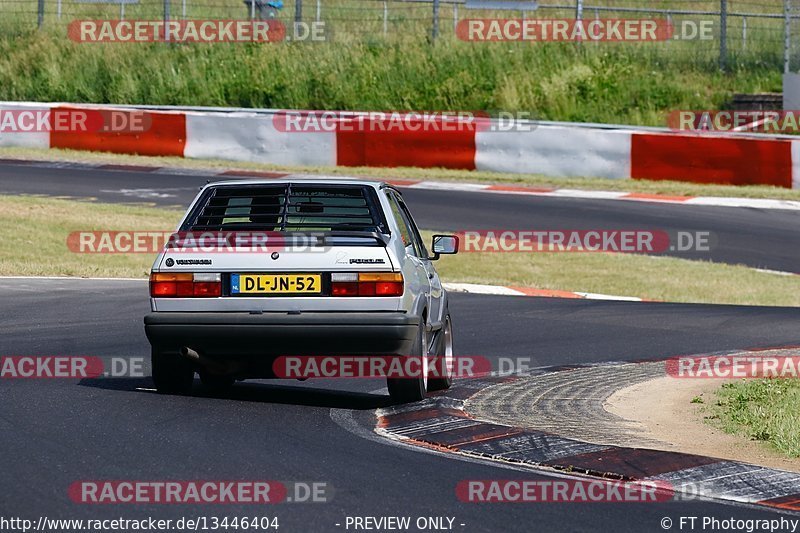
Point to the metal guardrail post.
(166, 19)
(298, 17)
(744, 34)
(787, 35)
(669, 24)
(723, 35)
(40, 13)
(435, 29)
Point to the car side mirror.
(444, 245)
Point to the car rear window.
(288, 207)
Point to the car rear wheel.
(412, 389)
(442, 362)
(171, 373)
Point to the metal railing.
(767, 31)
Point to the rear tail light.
(185, 285)
(366, 284)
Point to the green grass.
(674, 188)
(34, 231)
(652, 278)
(764, 410)
(638, 83)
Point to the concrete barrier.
(558, 150)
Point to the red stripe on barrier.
(164, 136)
(703, 159)
(426, 148)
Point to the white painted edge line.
(756, 203)
(499, 290)
(444, 185)
(579, 193)
(475, 288)
(775, 272)
(707, 201)
(595, 296)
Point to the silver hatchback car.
(263, 269)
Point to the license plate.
(276, 283)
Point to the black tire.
(215, 382)
(444, 351)
(407, 390)
(171, 373)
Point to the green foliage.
(765, 410)
(607, 82)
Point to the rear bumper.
(231, 335)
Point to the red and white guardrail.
(550, 149)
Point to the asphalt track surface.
(56, 432)
(754, 237)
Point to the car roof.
(302, 178)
